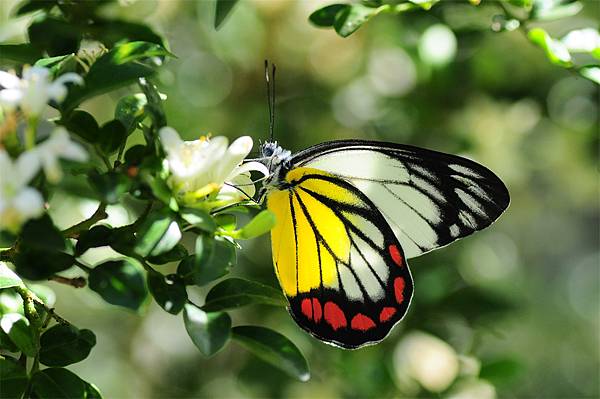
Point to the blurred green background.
(510, 312)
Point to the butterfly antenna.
(270, 81)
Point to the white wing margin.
(429, 198)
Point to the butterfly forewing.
(428, 198)
(338, 261)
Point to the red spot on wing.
(395, 254)
(386, 313)
(361, 322)
(399, 289)
(316, 308)
(306, 308)
(334, 316)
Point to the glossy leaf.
(547, 10)
(121, 66)
(110, 186)
(591, 72)
(57, 383)
(8, 278)
(111, 136)
(168, 291)
(42, 234)
(236, 292)
(350, 18)
(36, 264)
(213, 259)
(62, 345)
(424, 4)
(208, 331)
(555, 50)
(97, 236)
(17, 327)
(273, 348)
(325, 17)
(158, 234)
(84, 125)
(13, 378)
(178, 252)
(64, 37)
(130, 111)
(119, 283)
(199, 218)
(222, 10)
(23, 53)
(259, 225)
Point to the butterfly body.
(347, 211)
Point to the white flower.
(427, 359)
(18, 202)
(203, 166)
(58, 146)
(34, 90)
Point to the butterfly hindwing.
(428, 198)
(338, 261)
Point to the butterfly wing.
(338, 262)
(428, 198)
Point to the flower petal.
(237, 151)
(69, 77)
(27, 166)
(29, 202)
(170, 139)
(10, 98)
(9, 80)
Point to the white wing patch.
(429, 199)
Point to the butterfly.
(350, 213)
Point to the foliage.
(125, 53)
(170, 283)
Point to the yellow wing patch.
(301, 262)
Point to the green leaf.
(213, 259)
(57, 383)
(10, 302)
(236, 292)
(59, 64)
(110, 186)
(222, 10)
(158, 234)
(92, 391)
(17, 327)
(556, 51)
(7, 344)
(226, 221)
(8, 278)
(178, 252)
(168, 291)
(119, 283)
(259, 225)
(424, 4)
(13, 378)
(501, 371)
(325, 17)
(521, 3)
(349, 19)
(273, 348)
(54, 35)
(111, 135)
(112, 31)
(121, 66)
(200, 219)
(62, 345)
(591, 72)
(34, 5)
(22, 53)
(130, 111)
(208, 331)
(42, 234)
(97, 236)
(35, 264)
(84, 125)
(547, 10)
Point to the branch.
(75, 230)
(76, 282)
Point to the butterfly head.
(277, 160)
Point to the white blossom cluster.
(30, 94)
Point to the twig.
(76, 282)
(73, 231)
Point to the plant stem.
(75, 230)
(76, 282)
(30, 132)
